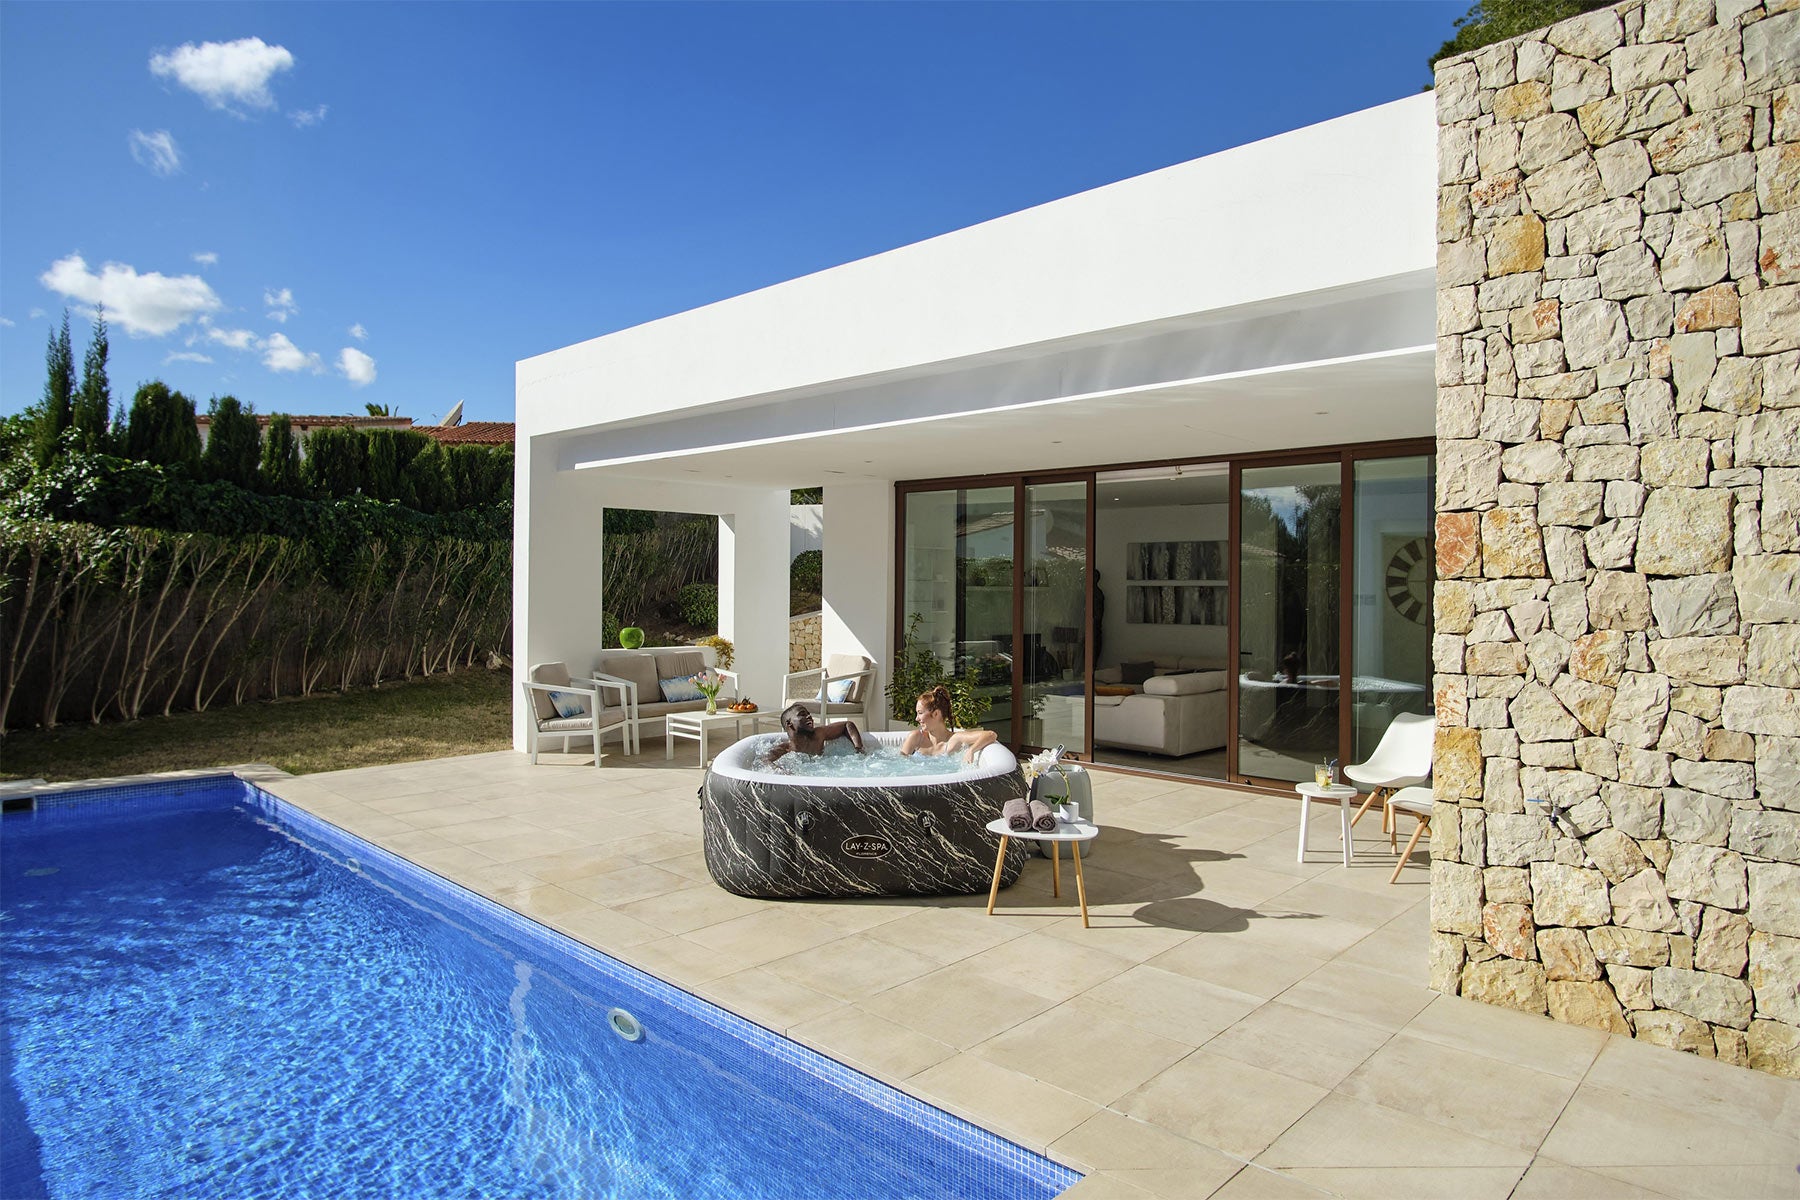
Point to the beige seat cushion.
(849, 664)
(633, 666)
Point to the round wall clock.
(1409, 580)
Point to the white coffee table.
(697, 725)
(1332, 793)
(1073, 832)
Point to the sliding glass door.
(1052, 649)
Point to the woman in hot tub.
(934, 736)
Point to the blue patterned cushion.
(569, 704)
(681, 688)
(839, 690)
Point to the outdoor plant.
(700, 604)
(916, 670)
(722, 649)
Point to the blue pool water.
(209, 993)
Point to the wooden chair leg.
(1423, 826)
(1378, 796)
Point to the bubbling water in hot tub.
(879, 760)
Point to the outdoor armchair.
(850, 677)
(585, 700)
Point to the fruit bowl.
(741, 706)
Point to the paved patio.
(1235, 1024)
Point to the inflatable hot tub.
(776, 836)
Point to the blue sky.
(316, 206)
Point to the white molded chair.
(595, 721)
(1414, 802)
(812, 688)
(1401, 760)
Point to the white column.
(556, 569)
(859, 577)
(753, 587)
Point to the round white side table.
(1332, 793)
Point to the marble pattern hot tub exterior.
(775, 836)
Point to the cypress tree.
(234, 445)
(59, 389)
(92, 411)
(281, 458)
(161, 428)
(381, 472)
(334, 463)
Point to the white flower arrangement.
(1041, 763)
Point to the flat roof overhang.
(1356, 364)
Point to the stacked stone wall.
(1617, 611)
(806, 642)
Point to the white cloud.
(279, 354)
(149, 305)
(206, 258)
(281, 304)
(357, 367)
(185, 356)
(225, 74)
(304, 118)
(34, 314)
(235, 339)
(359, 333)
(157, 151)
(6, 322)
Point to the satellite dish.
(454, 416)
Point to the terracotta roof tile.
(471, 433)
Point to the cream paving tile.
(1235, 828)
(452, 862)
(1234, 962)
(1082, 1053)
(1105, 1185)
(419, 841)
(397, 805)
(626, 884)
(1703, 1085)
(1547, 1179)
(1053, 968)
(852, 916)
(1400, 948)
(483, 829)
(440, 815)
(770, 934)
(677, 961)
(1503, 1103)
(497, 879)
(1119, 933)
(1606, 1128)
(1012, 1104)
(602, 928)
(1260, 1183)
(691, 908)
(852, 969)
(1167, 1004)
(1714, 1181)
(1232, 1106)
(1325, 897)
(371, 825)
(1342, 1131)
(1411, 1183)
(652, 847)
(520, 846)
(768, 999)
(1112, 1141)
(690, 866)
(548, 900)
(1356, 993)
(576, 863)
(871, 1042)
(1313, 1047)
(1508, 1036)
(945, 934)
(960, 1004)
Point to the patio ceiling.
(1375, 398)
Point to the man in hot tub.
(808, 738)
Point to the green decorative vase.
(631, 637)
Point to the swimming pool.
(208, 992)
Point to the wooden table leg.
(999, 862)
(1080, 884)
(1056, 868)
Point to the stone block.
(1696, 256)
(1693, 357)
(1709, 875)
(1446, 962)
(1511, 544)
(1598, 657)
(1774, 1047)
(1699, 138)
(1590, 35)
(1609, 546)
(1582, 1003)
(1724, 745)
(1617, 856)
(1536, 322)
(1768, 588)
(1538, 716)
(1566, 956)
(1703, 702)
(1666, 20)
(1468, 474)
(1736, 387)
(1458, 545)
(1515, 245)
(1640, 708)
(1590, 703)
(1456, 764)
(1508, 928)
(1598, 757)
(1506, 982)
(1626, 272)
(1644, 768)
(1775, 976)
(1767, 835)
(1774, 656)
(1771, 319)
(1568, 896)
(1711, 661)
(1676, 1031)
(1456, 898)
(1613, 945)
(1604, 462)
(1772, 51)
(1723, 944)
(1594, 332)
(1682, 734)
(1729, 780)
(1698, 818)
(1619, 600)
(1763, 710)
(1571, 385)
(1780, 526)
(1715, 307)
(1624, 168)
(1508, 419)
(1522, 101)
(1778, 252)
(1718, 180)
(1675, 462)
(1516, 840)
(1769, 439)
(1778, 178)
(1694, 605)
(1507, 885)
(1565, 556)
(1641, 903)
(1705, 996)
(1632, 985)
(1685, 531)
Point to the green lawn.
(466, 713)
